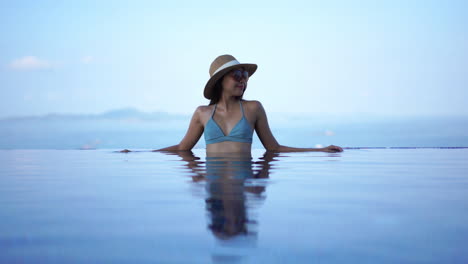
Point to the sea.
(132, 129)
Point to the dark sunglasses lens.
(237, 75)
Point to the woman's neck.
(228, 103)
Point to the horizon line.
(136, 111)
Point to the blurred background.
(129, 74)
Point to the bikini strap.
(214, 109)
(242, 108)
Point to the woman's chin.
(239, 92)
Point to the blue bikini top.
(242, 131)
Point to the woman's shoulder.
(204, 110)
(203, 113)
(251, 104)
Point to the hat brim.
(209, 87)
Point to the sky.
(389, 58)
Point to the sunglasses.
(239, 74)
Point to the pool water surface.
(359, 206)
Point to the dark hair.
(222, 218)
(218, 91)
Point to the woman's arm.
(192, 162)
(268, 140)
(192, 135)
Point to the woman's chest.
(228, 121)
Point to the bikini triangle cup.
(242, 131)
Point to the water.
(359, 206)
(136, 132)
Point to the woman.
(228, 121)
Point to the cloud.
(30, 63)
(87, 59)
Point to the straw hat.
(222, 65)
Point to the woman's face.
(235, 82)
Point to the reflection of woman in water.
(228, 121)
(227, 178)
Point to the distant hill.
(122, 114)
(128, 128)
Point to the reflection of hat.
(220, 66)
(230, 222)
